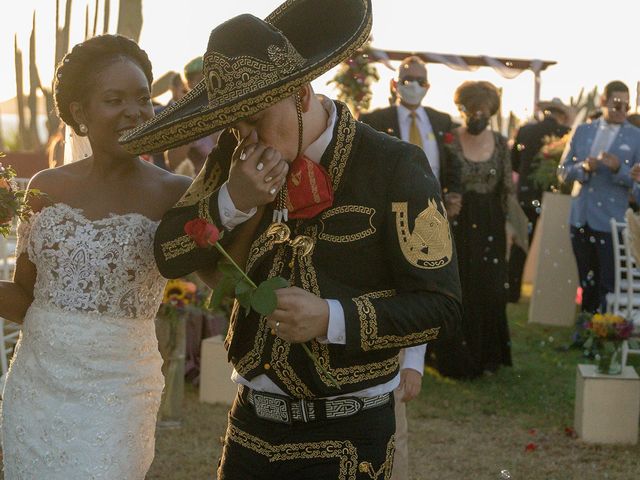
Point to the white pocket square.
(625, 148)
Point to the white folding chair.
(633, 297)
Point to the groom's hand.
(302, 315)
(256, 175)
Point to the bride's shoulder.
(50, 183)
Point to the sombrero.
(251, 64)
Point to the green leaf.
(264, 300)
(244, 292)
(222, 289)
(275, 283)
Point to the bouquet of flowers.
(605, 333)
(607, 326)
(13, 201)
(544, 175)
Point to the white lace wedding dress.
(83, 391)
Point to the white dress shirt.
(429, 143)
(605, 135)
(336, 333)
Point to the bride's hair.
(76, 73)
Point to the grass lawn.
(459, 430)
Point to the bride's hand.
(256, 175)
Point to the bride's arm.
(16, 296)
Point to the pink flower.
(202, 232)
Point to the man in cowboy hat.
(377, 272)
(556, 120)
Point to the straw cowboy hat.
(251, 64)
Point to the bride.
(83, 390)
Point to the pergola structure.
(507, 67)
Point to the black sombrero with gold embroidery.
(251, 64)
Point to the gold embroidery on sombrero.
(386, 467)
(369, 339)
(179, 246)
(252, 358)
(343, 210)
(185, 130)
(232, 78)
(344, 141)
(344, 451)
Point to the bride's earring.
(83, 129)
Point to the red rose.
(448, 138)
(530, 447)
(202, 232)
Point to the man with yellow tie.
(408, 120)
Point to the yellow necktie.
(414, 131)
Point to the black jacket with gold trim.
(383, 250)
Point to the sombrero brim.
(191, 117)
(546, 105)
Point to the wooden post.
(536, 91)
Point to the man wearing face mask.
(601, 157)
(423, 126)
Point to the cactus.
(107, 10)
(22, 129)
(34, 83)
(130, 19)
(95, 20)
(62, 34)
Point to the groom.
(380, 273)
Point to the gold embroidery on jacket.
(252, 358)
(177, 247)
(344, 451)
(346, 209)
(344, 142)
(203, 186)
(429, 246)
(369, 339)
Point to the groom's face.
(276, 126)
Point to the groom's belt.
(278, 408)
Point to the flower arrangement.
(544, 175)
(13, 201)
(354, 79)
(605, 333)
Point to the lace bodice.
(101, 266)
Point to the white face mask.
(412, 93)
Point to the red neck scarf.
(309, 189)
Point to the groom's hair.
(77, 72)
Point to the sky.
(590, 42)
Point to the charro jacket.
(383, 249)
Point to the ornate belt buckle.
(343, 407)
(272, 408)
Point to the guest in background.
(529, 140)
(189, 159)
(480, 237)
(601, 156)
(422, 126)
(178, 90)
